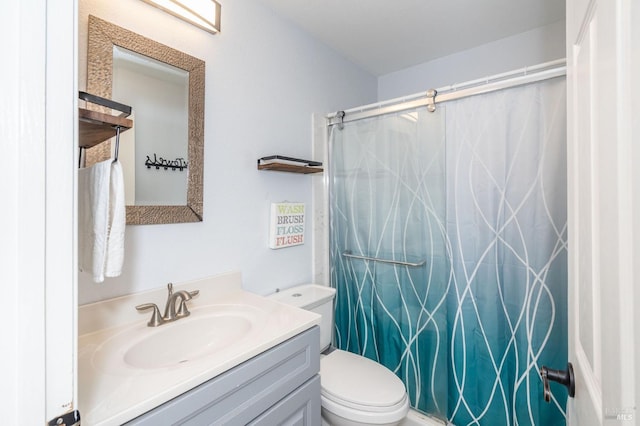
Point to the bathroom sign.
(287, 225)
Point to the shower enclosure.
(448, 250)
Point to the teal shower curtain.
(464, 212)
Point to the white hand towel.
(93, 218)
(117, 221)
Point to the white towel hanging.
(117, 222)
(93, 218)
(101, 220)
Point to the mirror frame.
(103, 36)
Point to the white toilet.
(356, 391)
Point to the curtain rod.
(492, 83)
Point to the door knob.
(564, 377)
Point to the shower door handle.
(564, 377)
(347, 253)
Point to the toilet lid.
(358, 380)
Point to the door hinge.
(68, 419)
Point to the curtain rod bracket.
(340, 116)
(431, 100)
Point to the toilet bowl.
(359, 391)
(356, 391)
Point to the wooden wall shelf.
(96, 127)
(281, 163)
(281, 167)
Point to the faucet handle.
(182, 309)
(156, 317)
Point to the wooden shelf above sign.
(96, 127)
(280, 167)
(280, 163)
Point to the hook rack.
(179, 163)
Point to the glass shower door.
(451, 264)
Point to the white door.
(38, 89)
(604, 209)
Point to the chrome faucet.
(170, 312)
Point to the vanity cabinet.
(278, 386)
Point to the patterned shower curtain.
(467, 209)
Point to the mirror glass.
(159, 96)
(162, 155)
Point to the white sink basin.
(207, 330)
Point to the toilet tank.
(315, 298)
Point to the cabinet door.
(300, 408)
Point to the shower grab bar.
(347, 253)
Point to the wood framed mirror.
(106, 38)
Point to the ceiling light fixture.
(204, 14)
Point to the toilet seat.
(357, 388)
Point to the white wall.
(264, 80)
(529, 48)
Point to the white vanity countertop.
(111, 392)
